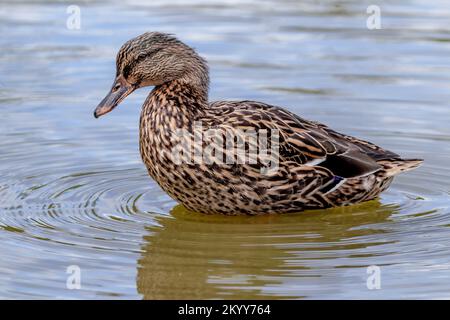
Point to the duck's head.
(152, 59)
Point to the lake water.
(74, 193)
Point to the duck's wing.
(301, 141)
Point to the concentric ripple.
(78, 219)
(105, 201)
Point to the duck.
(294, 164)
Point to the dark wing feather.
(303, 141)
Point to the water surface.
(73, 190)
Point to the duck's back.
(315, 167)
(305, 142)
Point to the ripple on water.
(286, 256)
(100, 200)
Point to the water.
(73, 190)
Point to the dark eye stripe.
(129, 67)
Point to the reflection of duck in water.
(191, 256)
(316, 166)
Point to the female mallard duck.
(316, 166)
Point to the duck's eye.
(116, 87)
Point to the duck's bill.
(119, 91)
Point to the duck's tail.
(396, 166)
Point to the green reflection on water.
(193, 256)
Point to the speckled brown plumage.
(318, 167)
